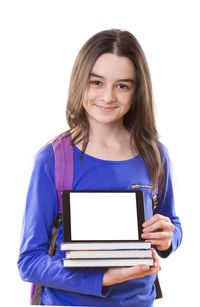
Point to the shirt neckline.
(105, 161)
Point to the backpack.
(64, 173)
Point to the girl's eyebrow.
(122, 80)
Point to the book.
(65, 246)
(136, 253)
(117, 262)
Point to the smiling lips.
(105, 109)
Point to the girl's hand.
(158, 230)
(117, 275)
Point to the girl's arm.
(35, 264)
(164, 228)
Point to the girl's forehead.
(111, 64)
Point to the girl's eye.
(96, 82)
(122, 86)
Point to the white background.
(39, 42)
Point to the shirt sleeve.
(35, 264)
(166, 207)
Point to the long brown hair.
(140, 118)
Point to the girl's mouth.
(105, 109)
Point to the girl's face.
(110, 89)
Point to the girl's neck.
(109, 142)
(107, 133)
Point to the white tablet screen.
(103, 216)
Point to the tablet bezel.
(67, 220)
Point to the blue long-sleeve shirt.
(83, 286)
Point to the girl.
(115, 146)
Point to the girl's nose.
(108, 95)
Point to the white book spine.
(104, 245)
(106, 262)
(140, 253)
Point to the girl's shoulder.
(44, 159)
(163, 153)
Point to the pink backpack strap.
(64, 165)
(155, 198)
(155, 192)
(64, 173)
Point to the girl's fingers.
(156, 235)
(155, 218)
(157, 265)
(159, 225)
(152, 270)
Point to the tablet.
(102, 216)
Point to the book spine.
(109, 254)
(99, 246)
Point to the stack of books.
(107, 254)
